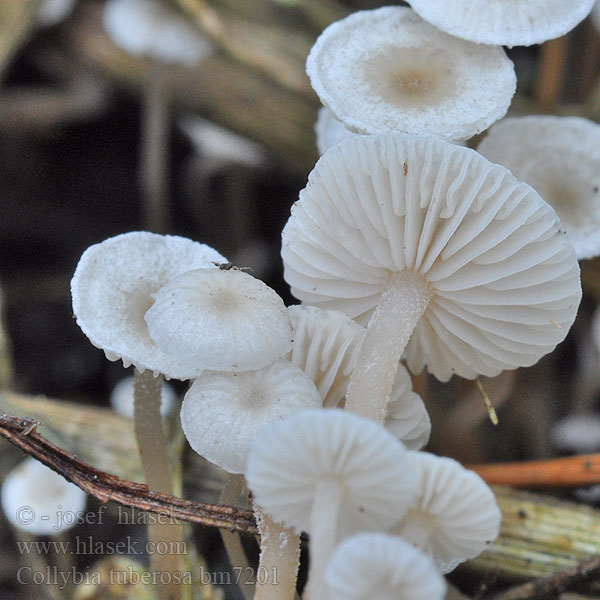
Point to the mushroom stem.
(158, 475)
(323, 528)
(279, 559)
(395, 318)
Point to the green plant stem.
(395, 318)
(158, 473)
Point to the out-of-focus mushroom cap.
(51, 12)
(223, 320)
(326, 345)
(503, 281)
(388, 70)
(329, 130)
(578, 433)
(560, 158)
(406, 417)
(516, 23)
(222, 412)
(455, 516)
(150, 28)
(375, 565)
(288, 459)
(38, 500)
(122, 398)
(112, 289)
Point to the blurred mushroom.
(560, 158)
(387, 69)
(122, 398)
(374, 565)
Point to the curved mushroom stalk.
(397, 314)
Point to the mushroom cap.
(560, 158)
(516, 23)
(326, 345)
(150, 28)
(51, 12)
(112, 289)
(38, 500)
(122, 398)
(455, 516)
(578, 433)
(290, 458)
(375, 565)
(503, 282)
(329, 130)
(223, 320)
(387, 69)
(222, 412)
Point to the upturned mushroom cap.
(150, 28)
(374, 565)
(223, 320)
(501, 281)
(387, 69)
(112, 289)
(326, 344)
(222, 412)
(290, 458)
(455, 516)
(329, 131)
(560, 158)
(38, 500)
(515, 23)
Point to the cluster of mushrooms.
(404, 245)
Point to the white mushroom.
(560, 158)
(151, 28)
(374, 565)
(455, 516)
(39, 501)
(578, 433)
(387, 69)
(515, 23)
(51, 12)
(122, 398)
(332, 474)
(326, 346)
(465, 264)
(112, 289)
(223, 320)
(222, 412)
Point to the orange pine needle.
(571, 471)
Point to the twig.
(554, 584)
(106, 487)
(572, 471)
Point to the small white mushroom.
(332, 474)
(515, 23)
(222, 412)
(112, 289)
(224, 320)
(150, 28)
(39, 501)
(559, 157)
(122, 398)
(387, 69)
(51, 12)
(440, 251)
(578, 433)
(455, 516)
(326, 346)
(374, 565)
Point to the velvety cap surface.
(502, 279)
(388, 70)
(514, 23)
(112, 289)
